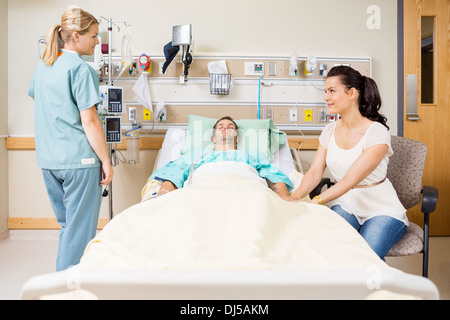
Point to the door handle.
(411, 97)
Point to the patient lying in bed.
(227, 219)
(225, 137)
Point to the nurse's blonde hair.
(73, 20)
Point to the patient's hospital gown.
(178, 171)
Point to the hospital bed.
(251, 245)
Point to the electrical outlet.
(267, 113)
(147, 114)
(117, 67)
(293, 114)
(254, 68)
(162, 116)
(132, 113)
(161, 65)
(308, 115)
(322, 115)
(272, 68)
(323, 70)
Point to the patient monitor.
(110, 110)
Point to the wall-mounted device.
(145, 63)
(252, 68)
(182, 36)
(310, 65)
(110, 110)
(293, 65)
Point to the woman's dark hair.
(369, 97)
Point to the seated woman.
(225, 138)
(356, 150)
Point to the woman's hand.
(107, 173)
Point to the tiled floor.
(24, 254)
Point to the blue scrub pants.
(380, 232)
(75, 196)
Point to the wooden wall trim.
(42, 223)
(153, 143)
(19, 143)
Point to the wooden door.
(427, 61)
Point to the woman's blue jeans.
(380, 232)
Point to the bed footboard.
(232, 285)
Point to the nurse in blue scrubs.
(70, 143)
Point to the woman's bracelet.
(319, 199)
(166, 190)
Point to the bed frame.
(230, 284)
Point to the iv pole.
(110, 23)
(111, 213)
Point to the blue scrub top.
(178, 171)
(60, 92)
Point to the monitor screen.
(115, 95)
(113, 124)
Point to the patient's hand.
(289, 198)
(166, 187)
(279, 188)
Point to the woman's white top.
(364, 203)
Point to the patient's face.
(225, 132)
(225, 124)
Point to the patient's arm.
(279, 188)
(166, 187)
(313, 176)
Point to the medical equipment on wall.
(133, 148)
(310, 65)
(293, 65)
(133, 137)
(219, 78)
(182, 36)
(161, 111)
(145, 64)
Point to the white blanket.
(224, 222)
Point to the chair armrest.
(429, 199)
(317, 190)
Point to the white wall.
(3, 116)
(326, 28)
(261, 27)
